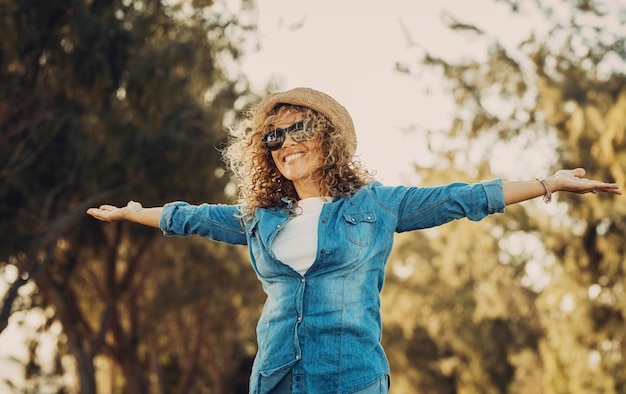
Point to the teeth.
(293, 157)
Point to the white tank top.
(296, 244)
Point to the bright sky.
(349, 48)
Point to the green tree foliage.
(532, 301)
(106, 101)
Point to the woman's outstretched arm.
(562, 180)
(133, 212)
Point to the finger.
(604, 187)
(610, 188)
(613, 191)
(579, 172)
(97, 213)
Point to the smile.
(292, 157)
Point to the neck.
(307, 189)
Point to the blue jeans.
(379, 387)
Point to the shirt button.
(298, 357)
(353, 220)
(299, 318)
(278, 226)
(302, 280)
(323, 251)
(369, 218)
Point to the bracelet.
(548, 196)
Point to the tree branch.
(44, 246)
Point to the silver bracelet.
(548, 196)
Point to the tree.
(534, 301)
(102, 101)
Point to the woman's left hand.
(574, 181)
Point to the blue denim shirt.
(325, 326)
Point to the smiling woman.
(319, 162)
(320, 230)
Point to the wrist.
(131, 211)
(547, 195)
(127, 214)
(552, 183)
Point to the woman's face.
(296, 161)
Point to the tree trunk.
(78, 344)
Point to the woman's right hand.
(111, 213)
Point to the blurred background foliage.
(101, 100)
(532, 301)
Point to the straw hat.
(315, 100)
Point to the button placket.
(299, 312)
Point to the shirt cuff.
(495, 196)
(165, 222)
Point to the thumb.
(579, 172)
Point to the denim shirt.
(325, 327)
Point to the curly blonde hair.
(260, 183)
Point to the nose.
(288, 140)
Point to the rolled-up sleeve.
(429, 207)
(218, 222)
(495, 196)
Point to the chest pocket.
(360, 227)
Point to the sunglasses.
(275, 139)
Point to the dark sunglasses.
(275, 139)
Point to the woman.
(320, 230)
